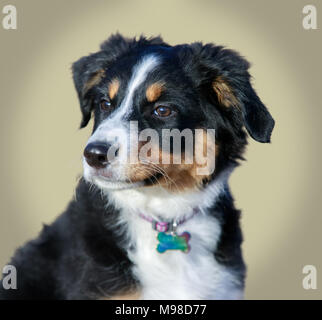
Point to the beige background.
(278, 188)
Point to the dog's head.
(144, 94)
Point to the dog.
(145, 230)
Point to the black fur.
(81, 255)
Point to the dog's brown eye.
(162, 111)
(105, 105)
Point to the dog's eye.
(163, 111)
(105, 105)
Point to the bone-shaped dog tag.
(173, 242)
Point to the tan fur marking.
(185, 175)
(135, 295)
(176, 177)
(95, 79)
(224, 92)
(154, 91)
(113, 88)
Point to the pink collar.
(163, 226)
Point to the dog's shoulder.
(72, 257)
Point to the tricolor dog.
(145, 224)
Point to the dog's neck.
(174, 274)
(157, 202)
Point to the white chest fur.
(175, 274)
(178, 275)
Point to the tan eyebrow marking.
(95, 79)
(225, 94)
(113, 88)
(153, 92)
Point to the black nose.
(96, 155)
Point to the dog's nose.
(96, 154)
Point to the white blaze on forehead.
(116, 128)
(117, 121)
(140, 73)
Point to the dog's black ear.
(258, 121)
(87, 72)
(226, 73)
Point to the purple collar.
(162, 226)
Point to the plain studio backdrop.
(278, 188)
